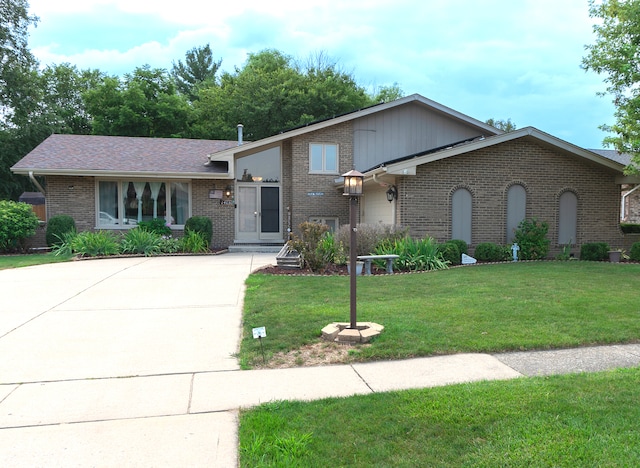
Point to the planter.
(614, 256)
(359, 266)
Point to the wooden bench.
(367, 259)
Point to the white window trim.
(324, 160)
(324, 219)
(119, 183)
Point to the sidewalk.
(106, 398)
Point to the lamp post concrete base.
(341, 332)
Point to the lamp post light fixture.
(352, 189)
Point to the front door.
(258, 212)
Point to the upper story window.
(323, 158)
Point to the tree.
(143, 103)
(504, 125)
(15, 57)
(198, 69)
(388, 93)
(272, 93)
(616, 54)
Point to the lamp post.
(352, 189)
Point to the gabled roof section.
(483, 128)
(92, 155)
(408, 165)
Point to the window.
(331, 222)
(461, 202)
(323, 158)
(122, 203)
(567, 218)
(516, 209)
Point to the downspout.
(393, 204)
(624, 198)
(36, 183)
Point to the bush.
(531, 237)
(634, 253)
(141, 241)
(594, 251)
(451, 253)
(316, 250)
(92, 244)
(17, 222)
(193, 242)
(157, 226)
(462, 245)
(368, 236)
(490, 252)
(57, 227)
(630, 228)
(202, 225)
(414, 255)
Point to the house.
(448, 176)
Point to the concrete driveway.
(112, 346)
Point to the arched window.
(567, 218)
(516, 209)
(461, 202)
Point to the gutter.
(624, 198)
(36, 183)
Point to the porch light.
(353, 183)
(392, 193)
(228, 191)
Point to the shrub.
(490, 252)
(92, 244)
(634, 253)
(315, 251)
(156, 225)
(193, 242)
(202, 225)
(368, 236)
(594, 251)
(630, 228)
(421, 254)
(451, 253)
(531, 237)
(17, 222)
(141, 241)
(462, 245)
(57, 227)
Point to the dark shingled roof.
(622, 158)
(89, 153)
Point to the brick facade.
(331, 203)
(222, 215)
(72, 196)
(424, 202)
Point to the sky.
(500, 59)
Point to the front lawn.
(561, 421)
(484, 308)
(17, 261)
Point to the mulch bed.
(331, 270)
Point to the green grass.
(487, 308)
(561, 421)
(18, 261)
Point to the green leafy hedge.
(57, 227)
(594, 251)
(17, 222)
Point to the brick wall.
(332, 203)
(73, 196)
(424, 203)
(222, 216)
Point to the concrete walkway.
(129, 362)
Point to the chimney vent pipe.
(240, 127)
